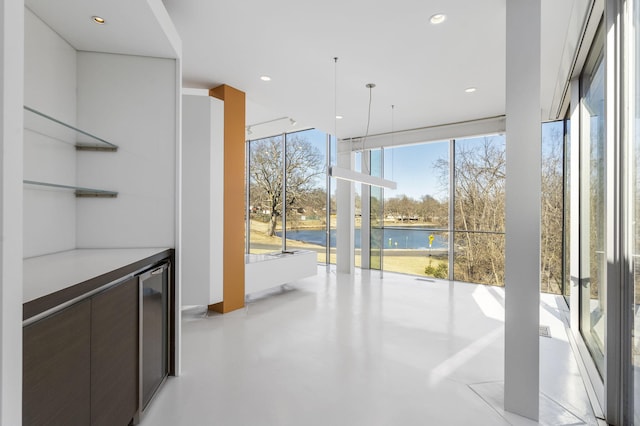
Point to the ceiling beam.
(464, 129)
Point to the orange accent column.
(234, 198)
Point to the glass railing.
(424, 251)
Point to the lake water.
(414, 238)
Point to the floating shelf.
(83, 141)
(80, 191)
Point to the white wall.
(11, 99)
(93, 91)
(139, 94)
(49, 156)
(217, 201)
(202, 199)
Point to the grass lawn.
(411, 264)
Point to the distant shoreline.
(395, 225)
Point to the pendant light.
(348, 174)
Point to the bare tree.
(316, 201)
(478, 210)
(303, 164)
(434, 211)
(402, 207)
(551, 216)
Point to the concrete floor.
(357, 350)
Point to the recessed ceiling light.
(339, 117)
(470, 89)
(438, 18)
(265, 78)
(98, 20)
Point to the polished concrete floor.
(359, 350)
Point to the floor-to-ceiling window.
(566, 232)
(415, 239)
(592, 205)
(479, 210)
(332, 208)
(551, 208)
(358, 208)
(306, 192)
(376, 212)
(265, 194)
(418, 235)
(288, 193)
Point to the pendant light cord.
(370, 86)
(393, 119)
(335, 100)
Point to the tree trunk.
(272, 225)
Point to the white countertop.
(43, 275)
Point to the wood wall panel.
(234, 197)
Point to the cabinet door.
(114, 355)
(56, 378)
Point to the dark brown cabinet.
(81, 364)
(95, 352)
(56, 365)
(114, 355)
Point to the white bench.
(265, 271)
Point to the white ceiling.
(131, 27)
(420, 68)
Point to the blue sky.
(412, 167)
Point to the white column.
(522, 269)
(202, 200)
(344, 220)
(11, 101)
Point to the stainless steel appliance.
(154, 331)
